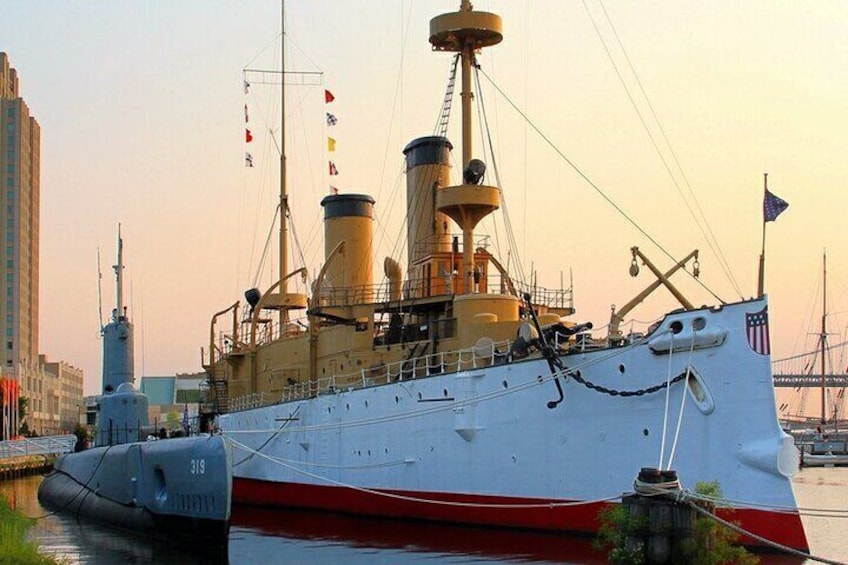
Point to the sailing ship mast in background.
(823, 343)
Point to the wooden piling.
(659, 523)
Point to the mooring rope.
(417, 499)
(761, 539)
(683, 396)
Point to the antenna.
(119, 276)
(99, 293)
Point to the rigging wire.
(594, 186)
(512, 243)
(700, 219)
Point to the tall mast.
(119, 277)
(284, 198)
(823, 339)
(465, 32)
(466, 95)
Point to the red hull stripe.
(782, 527)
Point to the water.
(262, 536)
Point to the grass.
(14, 547)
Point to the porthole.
(645, 432)
(676, 327)
(347, 406)
(699, 323)
(445, 392)
(621, 368)
(366, 404)
(397, 399)
(420, 396)
(505, 384)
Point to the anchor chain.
(613, 392)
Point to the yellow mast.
(284, 198)
(465, 32)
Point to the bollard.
(663, 526)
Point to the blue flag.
(773, 206)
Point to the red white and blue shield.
(757, 328)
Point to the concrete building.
(173, 395)
(53, 390)
(20, 151)
(69, 386)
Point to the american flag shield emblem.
(757, 328)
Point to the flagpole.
(760, 286)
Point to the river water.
(261, 536)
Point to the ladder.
(441, 128)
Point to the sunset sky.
(141, 106)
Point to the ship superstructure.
(453, 393)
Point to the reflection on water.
(409, 541)
(76, 541)
(260, 535)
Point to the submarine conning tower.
(348, 276)
(122, 410)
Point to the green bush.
(14, 547)
(710, 544)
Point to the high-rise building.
(20, 151)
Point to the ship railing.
(554, 298)
(247, 401)
(270, 330)
(448, 243)
(417, 367)
(47, 445)
(444, 362)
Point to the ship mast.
(466, 32)
(284, 198)
(823, 339)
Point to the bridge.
(796, 380)
(803, 374)
(38, 446)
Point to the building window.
(9, 264)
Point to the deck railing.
(404, 370)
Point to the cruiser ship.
(455, 392)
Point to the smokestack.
(427, 166)
(348, 218)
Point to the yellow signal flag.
(331, 144)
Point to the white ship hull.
(482, 447)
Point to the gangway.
(46, 445)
